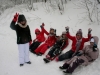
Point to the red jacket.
(50, 40)
(40, 37)
(74, 41)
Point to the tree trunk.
(98, 1)
(89, 13)
(45, 1)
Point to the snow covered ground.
(72, 17)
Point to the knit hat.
(92, 40)
(79, 32)
(21, 18)
(51, 28)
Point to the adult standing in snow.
(23, 37)
(39, 38)
(77, 44)
(88, 55)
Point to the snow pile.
(72, 17)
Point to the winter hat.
(92, 40)
(37, 30)
(79, 32)
(64, 32)
(21, 18)
(51, 28)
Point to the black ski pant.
(52, 50)
(34, 45)
(66, 55)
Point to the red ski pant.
(42, 49)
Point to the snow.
(72, 17)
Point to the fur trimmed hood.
(22, 25)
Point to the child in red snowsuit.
(48, 43)
(77, 44)
(39, 38)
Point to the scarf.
(78, 44)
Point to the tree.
(98, 1)
(30, 5)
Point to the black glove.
(67, 29)
(95, 47)
(54, 31)
(89, 31)
(42, 25)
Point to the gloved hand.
(67, 29)
(30, 42)
(55, 31)
(89, 31)
(80, 30)
(16, 17)
(95, 47)
(42, 25)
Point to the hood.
(37, 30)
(21, 18)
(22, 25)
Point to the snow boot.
(61, 67)
(21, 65)
(65, 66)
(67, 73)
(28, 62)
(46, 60)
(39, 54)
(33, 52)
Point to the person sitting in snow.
(48, 43)
(39, 38)
(23, 37)
(61, 44)
(88, 55)
(77, 44)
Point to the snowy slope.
(9, 64)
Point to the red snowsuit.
(48, 43)
(74, 41)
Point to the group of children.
(58, 43)
(76, 56)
